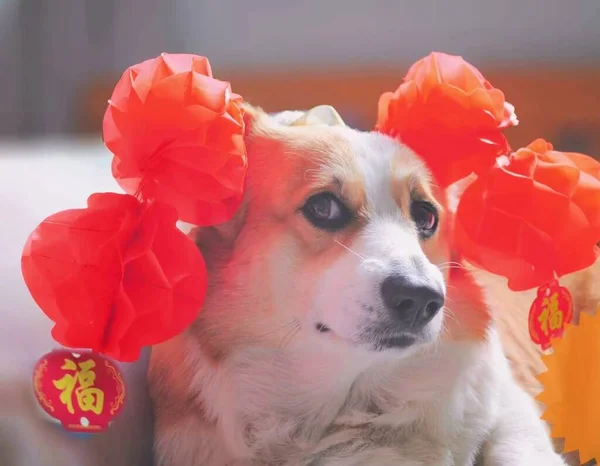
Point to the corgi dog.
(337, 330)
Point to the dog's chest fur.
(306, 410)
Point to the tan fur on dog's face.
(275, 279)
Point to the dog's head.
(340, 242)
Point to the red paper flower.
(449, 114)
(116, 276)
(177, 137)
(534, 215)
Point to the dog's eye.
(425, 217)
(327, 212)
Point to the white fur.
(349, 289)
(439, 403)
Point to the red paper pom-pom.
(177, 136)
(535, 215)
(449, 114)
(116, 276)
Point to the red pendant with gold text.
(83, 391)
(551, 310)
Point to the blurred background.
(61, 58)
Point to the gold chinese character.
(81, 381)
(551, 317)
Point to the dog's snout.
(412, 304)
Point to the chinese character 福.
(81, 382)
(551, 317)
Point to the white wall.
(49, 49)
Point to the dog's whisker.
(285, 341)
(289, 336)
(349, 250)
(445, 332)
(450, 263)
(291, 322)
(450, 267)
(446, 309)
(448, 312)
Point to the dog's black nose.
(412, 305)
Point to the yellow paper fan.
(572, 388)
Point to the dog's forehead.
(375, 173)
(389, 171)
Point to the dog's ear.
(320, 115)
